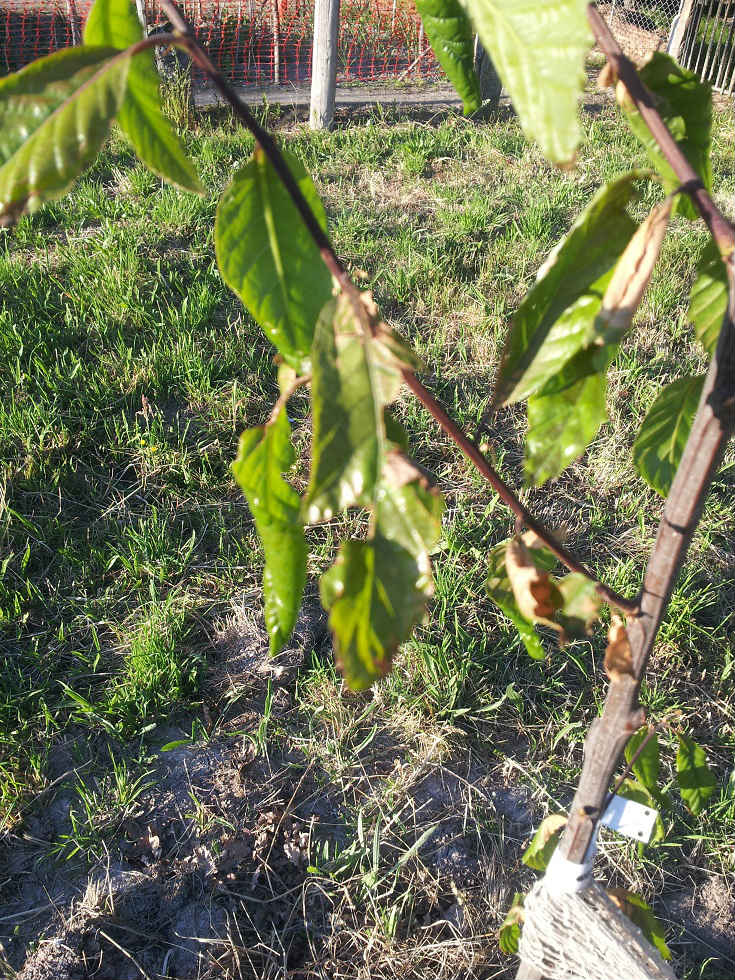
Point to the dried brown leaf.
(535, 592)
(618, 656)
(634, 268)
(607, 77)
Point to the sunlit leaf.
(646, 766)
(641, 915)
(510, 930)
(354, 376)
(708, 298)
(557, 319)
(264, 454)
(660, 442)
(54, 116)
(696, 780)
(539, 51)
(685, 103)
(268, 258)
(561, 425)
(450, 34)
(408, 510)
(538, 853)
(375, 592)
(581, 605)
(115, 23)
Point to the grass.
(129, 371)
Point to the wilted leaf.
(557, 319)
(561, 424)
(708, 298)
(581, 605)
(535, 592)
(538, 853)
(633, 271)
(696, 780)
(375, 592)
(641, 915)
(685, 104)
(661, 439)
(115, 23)
(499, 590)
(510, 930)
(268, 258)
(354, 376)
(264, 454)
(618, 655)
(539, 51)
(450, 34)
(54, 116)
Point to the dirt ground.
(243, 861)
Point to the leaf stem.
(321, 239)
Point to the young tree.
(274, 251)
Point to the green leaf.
(538, 853)
(450, 34)
(685, 103)
(581, 605)
(354, 376)
(407, 509)
(631, 789)
(114, 23)
(561, 425)
(539, 51)
(501, 593)
(265, 452)
(708, 298)
(641, 915)
(696, 780)
(375, 592)
(660, 442)
(268, 258)
(646, 766)
(54, 116)
(510, 930)
(556, 320)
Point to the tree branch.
(621, 716)
(720, 228)
(711, 428)
(321, 239)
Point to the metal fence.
(705, 38)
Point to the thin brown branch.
(321, 239)
(720, 228)
(509, 498)
(712, 427)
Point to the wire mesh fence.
(254, 42)
(260, 43)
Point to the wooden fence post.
(324, 64)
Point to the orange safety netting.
(254, 42)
